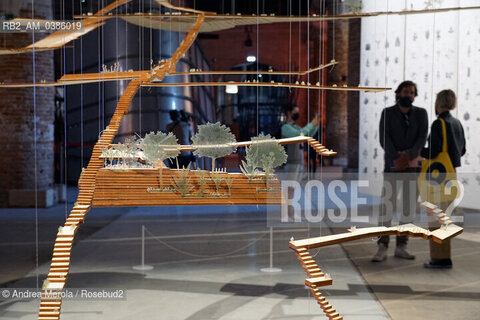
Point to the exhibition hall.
(239, 160)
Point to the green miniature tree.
(158, 147)
(213, 140)
(265, 153)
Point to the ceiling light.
(231, 89)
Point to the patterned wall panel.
(435, 50)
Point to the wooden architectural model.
(103, 185)
(316, 278)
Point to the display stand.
(143, 266)
(271, 269)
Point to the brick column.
(17, 119)
(336, 102)
(342, 106)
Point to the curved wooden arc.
(60, 38)
(217, 22)
(266, 84)
(182, 23)
(316, 278)
(73, 79)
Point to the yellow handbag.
(437, 181)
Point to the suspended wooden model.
(316, 278)
(99, 186)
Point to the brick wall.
(17, 134)
(337, 109)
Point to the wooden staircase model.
(316, 278)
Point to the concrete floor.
(207, 265)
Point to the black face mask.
(405, 102)
(295, 116)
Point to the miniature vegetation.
(213, 140)
(181, 182)
(158, 147)
(264, 153)
(122, 155)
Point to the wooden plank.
(319, 281)
(445, 233)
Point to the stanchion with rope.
(143, 266)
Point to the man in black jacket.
(403, 132)
(440, 254)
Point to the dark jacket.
(455, 139)
(399, 132)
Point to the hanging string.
(257, 61)
(151, 62)
(37, 275)
(432, 103)
(404, 41)
(308, 90)
(383, 208)
(81, 97)
(194, 255)
(63, 68)
(119, 86)
(458, 56)
(140, 67)
(334, 31)
(100, 69)
(299, 36)
(103, 62)
(290, 44)
(322, 81)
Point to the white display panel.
(435, 50)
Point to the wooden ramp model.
(316, 278)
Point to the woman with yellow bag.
(442, 156)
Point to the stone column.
(25, 167)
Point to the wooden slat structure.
(316, 278)
(183, 18)
(100, 186)
(120, 188)
(267, 84)
(50, 307)
(60, 38)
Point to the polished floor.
(207, 265)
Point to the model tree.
(213, 140)
(130, 149)
(265, 153)
(158, 147)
